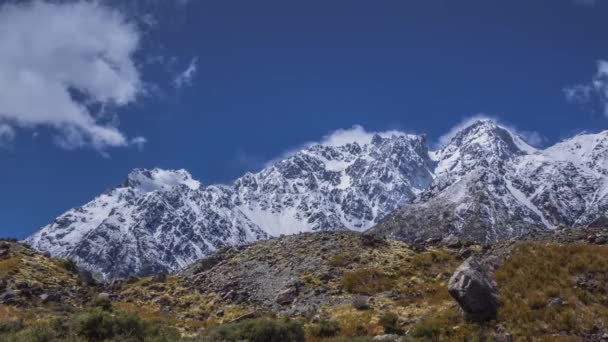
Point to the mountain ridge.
(485, 184)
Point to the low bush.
(41, 332)
(390, 322)
(69, 265)
(102, 302)
(325, 329)
(341, 260)
(367, 281)
(361, 302)
(426, 330)
(259, 330)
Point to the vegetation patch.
(258, 330)
(367, 281)
(9, 266)
(341, 260)
(554, 288)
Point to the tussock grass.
(367, 281)
(547, 288)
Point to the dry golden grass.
(9, 266)
(554, 288)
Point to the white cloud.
(7, 134)
(139, 142)
(340, 137)
(531, 137)
(356, 134)
(593, 92)
(57, 60)
(185, 77)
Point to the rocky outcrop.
(287, 296)
(29, 278)
(474, 290)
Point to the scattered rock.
(451, 241)
(555, 302)
(432, 241)
(250, 315)
(600, 222)
(503, 338)
(387, 338)
(287, 296)
(104, 296)
(601, 240)
(473, 289)
(86, 277)
(10, 297)
(372, 241)
(361, 302)
(159, 278)
(465, 253)
(49, 297)
(162, 300)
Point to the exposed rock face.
(490, 185)
(160, 221)
(29, 278)
(474, 291)
(287, 296)
(486, 184)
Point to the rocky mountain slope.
(485, 184)
(551, 285)
(159, 221)
(490, 185)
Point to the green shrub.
(259, 330)
(341, 260)
(367, 281)
(40, 332)
(390, 322)
(10, 326)
(325, 329)
(426, 330)
(100, 325)
(69, 265)
(102, 302)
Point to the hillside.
(336, 285)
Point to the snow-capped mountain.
(490, 184)
(485, 184)
(160, 220)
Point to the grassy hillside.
(336, 286)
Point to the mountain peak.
(146, 180)
(483, 143)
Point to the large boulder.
(474, 291)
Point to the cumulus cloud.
(357, 133)
(7, 134)
(139, 142)
(340, 137)
(58, 61)
(533, 138)
(186, 77)
(593, 93)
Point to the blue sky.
(221, 87)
